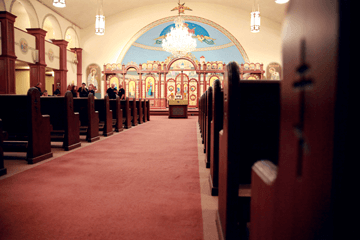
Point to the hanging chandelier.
(100, 19)
(255, 20)
(281, 1)
(179, 41)
(59, 3)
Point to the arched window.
(22, 17)
(52, 26)
(71, 37)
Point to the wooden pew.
(28, 130)
(64, 121)
(203, 117)
(102, 106)
(125, 107)
(250, 132)
(3, 170)
(89, 118)
(148, 109)
(139, 112)
(144, 110)
(208, 120)
(199, 116)
(117, 114)
(216, 127)
(133, 110)
(314, 193)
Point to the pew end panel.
(3, 170)
(144, 110)
(125, 106)
(208, 120)
(93, 116)
(117, 114)
(39, 130)
(216, 127)
(102, 106)
(148, 109)
(263, 178)
(133, 112)
(139, 111)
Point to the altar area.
(160, 82)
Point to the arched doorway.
(182, 73)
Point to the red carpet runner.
(139, 184)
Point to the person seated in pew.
(91, 89)
(38, 86)
(71, 88)
(112, 91)
(83, 91)
(121, 92)
(57, 92)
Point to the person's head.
(83, 85)
(90, 87)
(45, 93)
(38, 84)
(120, 85)
(112, 85)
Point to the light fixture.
(59, 3)
(75, 57)
(179, 41)
(100, 19)
(281, 1)
(255, 20)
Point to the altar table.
(178, 108)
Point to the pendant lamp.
(59, 3)
(179, 41)
(100, 19)
(281, 1)
(255, 20)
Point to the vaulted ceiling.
(82, 12)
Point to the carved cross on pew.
(302, 85)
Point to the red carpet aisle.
(140, 184)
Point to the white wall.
(72, 69)
(41, 11)
(31, 40)
(54, 62)
(263, 47)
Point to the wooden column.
(61, 74)
(165, 90)
(78, 52)
(7, 57)
(205, 84)
(37, 70)
(140, 88)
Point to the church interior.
(243, 133)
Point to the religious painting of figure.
(114, 80)
(273, 71)
(212, 79)
(131, 89)
(93, 73)
(178, 88)
(149, 87)
(185, 91)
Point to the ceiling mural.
(213, 42)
